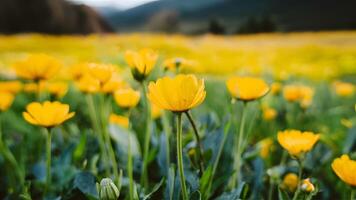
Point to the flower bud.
(290, 182)
(307, 186)
(107, 190)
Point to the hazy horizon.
(119, 4)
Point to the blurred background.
(175, 16)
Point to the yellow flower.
(345, 169)
(101, 72)
(6, 99)
(141, 62)
(297, 93)
(156, 112)
(291, 93)
(10, 86)
(77, 71)
(276, 88)
(297, 142)
(290, 181)
(344, 89)
(247, 88)
(119, 120)
(177, 94)
(307, 186)
(174, 63)
(37, 67)
(127, 98)
(306, 93)
(114, 84)
(302, 94)
(47, 114)
(30, 87)
(58, 89)
(88, 84)
(265, 147)
(269, 113)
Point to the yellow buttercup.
(114, 84)
(307, 186)
(127, 98)
(344, 89)
(59, 89)
(297, 142)
(345, 169)
(37, 67)
(101, 72)
(269, 114)
(177, 94)
(265, 147)
(247, 88)
(290, 182)
(299, 93)
(276, 88)
(10, 86)
(174, 64)
(119, 120)
(47, 114)
(6, 99)
(156, 111)
(141, 62)
(88, 84)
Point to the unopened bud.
(107, 190)
(307, 186)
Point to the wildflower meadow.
(151, 116)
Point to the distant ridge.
(49, 16)
(194, 16)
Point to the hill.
(49, 16)
(233, 16)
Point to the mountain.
(231, 16)
(49, 16)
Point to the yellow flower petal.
(47, 114)
(177, 94)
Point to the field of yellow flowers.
(143, 116)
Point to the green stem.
(296, 194)
(270, 190)
(199, 147)
(129, 168)
(180, 156)
(105, 110)
(48, 160)
(94, 122)
(352, 196)
(144, 177)
(238, 144)
(284, 158)
(167, 131)
(5, 151)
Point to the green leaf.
(239, 193)
(204, 180)
(85, 182)
(121, 136)
(155, 189)
(350, 140)
(207, 155)
(80, 149)
(195, 195)
(282, 195)
(170, 183)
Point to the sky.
(120, 4)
